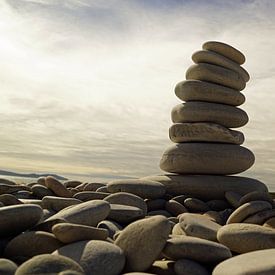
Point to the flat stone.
(9, 199)
(90, 195)
(206, 158)
(72, 183)
(199, 111)
(175, 208)
(58, 203)
(93, 186)
(24, 194)
(31, 243)
(95, 257)
(41, 191)
(248, 209)
(211, 57)
(69, 232)
(129, 199)
(225, 50)
(204, 132)
(111, 226)
(196, 205)
(256, 196)
(195, 249)
(57, 187)
(260, 217)
(7, 267)
(134, 240)
(87, 213)
(10, 188)
(32, 201)
(216, 74)
(15, 219)
(198, 186)
(160, 212)
(145, 189)
(49, 264)
(46, 225)
(196, 225)
(196, 90)
(189, 267)
(243, 238)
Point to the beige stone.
(49, 264)
(189, 267)
(93, 186)
(260, 217)
(206, 158)
(198, 186)
(225, 50)
(90, 195)
(211, 57)
(243, 238)
(248, 209)
(198, 111)
(145, 189)
(57, 187)
(204, 132)
(196, 90)
(95, 257)
(216, 74)
(58, 203)
(162, 267)
(256, 196)
(177, 230)
(195, 249)
(7, 267)
(270, 223)
(142, 241)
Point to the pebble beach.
(199, 217)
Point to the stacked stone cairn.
(198, 220)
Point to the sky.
(87, 87)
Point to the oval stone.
(196, 90)
(145, 189)
(189, 267)
(204, 132)
(243, 238)
(216, 74)
(225, 50)
(198, 111)
(41, 191)
(206, 158)
(57, 187)
(196, 205)
(137, 237)
(256, 196)
(260, 217)
(58, 203)
(95, 257)
(211, 57)
(90, 195)
(198, 186)
(7, 267)
(15, 219)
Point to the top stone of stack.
(201, 129)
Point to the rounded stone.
(145, 189)
(71, 183)
(248, 209)
(270, 223)
(127, 199)
(175, 208)
(142, 241)
(256, 196)
(7, 267)
(216, 74)
(196, 225)
(196, 90)
(10, 188)
(15, 219)
(225, 50)
(162, 267)
(177, 230)
(69, 232)
(189, 267)
(260, 217)
(195, 249)
(204, 132)
(243, 238)
(95, 257)
(48, 264)
(206, 158)
(31, 243)
(41, 191)
(7, 181)
(111, 226)
(90, 195)
(57, 187)
(196, 205)
(198, 111)
(93, 186)
(9, 199)
(58, 203)
(233, 198)
(211, 57)
(87, 213)
(198, 186)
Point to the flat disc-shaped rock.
(225, 50)
(256, 262)
(211, 57)
(145, 189)
(17, 218)
(195, 90)
(243, 238)
(95, 257)
(142, 241)
(228, 116)
(198, 186)
(216, 74)
(206, 158)
(204, 132)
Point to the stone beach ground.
(198, 220)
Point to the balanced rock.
(206, 158)
(198, 111)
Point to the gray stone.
(155, 204)
(260, 217)
(93, 186)
(41, 191)
(9, 199)
(90, 195)
(10, 188)
(218, 205)
(199, 111)
(175, 208)
(196, 205)
(189, 267)
(206, 158)
(256, 196)
(57, 187)
(72, 183)
(58, 203)
(233, 198)
(111, 226)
